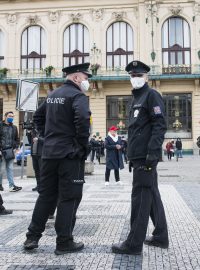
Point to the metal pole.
(23, 146)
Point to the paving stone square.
(103, 219)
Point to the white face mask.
(84, 86)
(137, 82)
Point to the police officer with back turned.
(146, 131)
(64, 121)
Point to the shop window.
(178, 115)
(117, 112)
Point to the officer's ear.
(76, 78)
(146, 77)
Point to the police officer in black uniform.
(146, 131)
(64, 121)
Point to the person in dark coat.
(94, 147)
(64, 122)
(179, 148)
(114, 161)
(4, 211)
(146, 130)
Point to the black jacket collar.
(140, 91)
(69, 82)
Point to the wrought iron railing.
(102, 71)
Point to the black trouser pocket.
(143, 177)
(71, 179)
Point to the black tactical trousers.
(36, 161)
(62, 183)
(145, 202)
(1, 203)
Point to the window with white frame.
(178, 108)
(76, 45)
(176, 45)
(2, 46)
(33, 48)
(119, 45)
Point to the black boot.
(123, 248)
(69, 247)
(30, 244)
(5, 212)
(151, 241)
(35, 189)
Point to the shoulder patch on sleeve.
(157, 110)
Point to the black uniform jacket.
(64, 121)
(147, 124)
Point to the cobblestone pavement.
(103, 219)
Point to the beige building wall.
(55, 16)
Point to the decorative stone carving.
(196, 11)
(76, 16)
(135, 11)
(54, 16)
(175, 10)
(33, 19)
(12, 18)
(152, 10)
(118, 16)
(97, 14)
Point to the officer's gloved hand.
(130, 166)
(151, 161)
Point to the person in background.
(102, 147)
(9, 142)
(99, 149)
(114, 161)
(124, 149)
(3, 211)
(179, 148)
(36, 143)
(169, 148)
(172, 148)
(94, 147)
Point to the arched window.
(119, 45)
(2, 45)
(33, 48)
(76, 45)
(176, 50)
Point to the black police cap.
(137, 67)
(78, 68)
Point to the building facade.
(38, 38)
